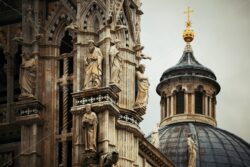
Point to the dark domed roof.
(216, 147)
(188, 65)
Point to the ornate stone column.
(210, 106)
(168, 107)
(172, 106)
(206, 105)
(192, 103)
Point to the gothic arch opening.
(66, 45)
(94, 19)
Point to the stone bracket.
(29, 111)
(104, 98)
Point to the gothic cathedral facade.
(72, 87)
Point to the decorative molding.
(129, 119)
(94, 99)
(28, 111)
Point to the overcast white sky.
(222, 29)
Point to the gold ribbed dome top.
(188, 34)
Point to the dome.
(216, 147)
(189, 67)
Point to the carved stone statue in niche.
(89, 124)
(142, 86)
(28, 76)
(93, 66)
(192, 151)
(137, 33)
(116, 62)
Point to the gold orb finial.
(188, 34)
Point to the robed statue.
(116, 62)
(93, 66)
(28, 76)
(89, 124)
(192, 151)
(142, 87)
(155, 137)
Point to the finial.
(188, 34)
(188, 12)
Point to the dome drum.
(188, 118)
(188, 99)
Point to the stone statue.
(137, 33)
(192, 151)
(155, 137)
(110, 159)
(93, 66)
(116, 62)
(89, 124)
(28, 76)
(142, 86)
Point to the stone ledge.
(188, 118)
(28, 111)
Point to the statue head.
(26, 56)
(91, 44)
(190, 135)
(88, 108)
(141, 68)
(117, 43)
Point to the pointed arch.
(125, 36)
(56, 27)
(94, 12)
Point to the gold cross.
(188, 12)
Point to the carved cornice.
(153, 155)
(188, 79)
(101, 99)
(120, 124)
